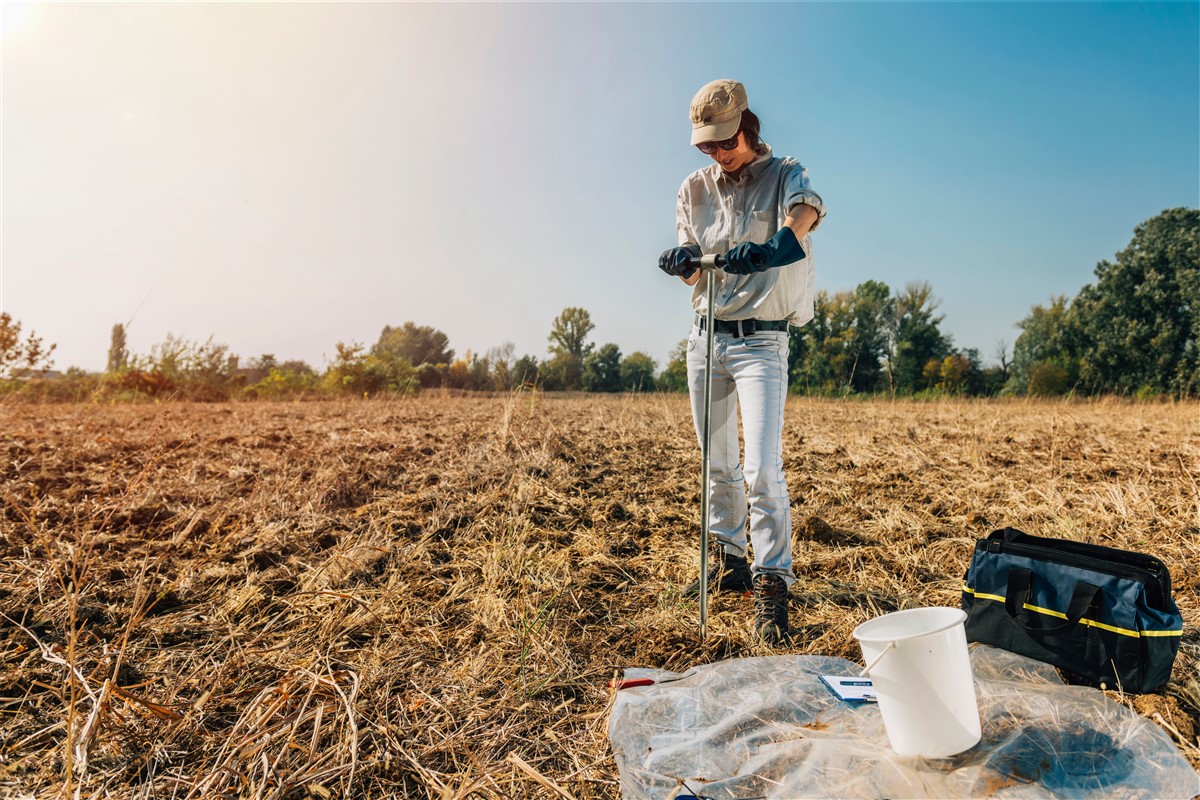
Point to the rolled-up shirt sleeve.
(798, 191)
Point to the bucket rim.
(956, 617)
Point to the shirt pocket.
(760, 225)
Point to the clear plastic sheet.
(767, 727)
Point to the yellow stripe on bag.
(1051, 612)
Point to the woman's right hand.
(674, 261)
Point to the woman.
(758, 210)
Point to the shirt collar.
(750, 171)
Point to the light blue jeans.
(751, 370)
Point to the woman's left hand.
(783, 248)
(746, 258)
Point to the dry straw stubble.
(427, 597)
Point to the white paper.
(850, 688)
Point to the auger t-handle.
(706, 262)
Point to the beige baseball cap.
(717, 110)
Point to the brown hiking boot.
(730, 573)
(770, 609)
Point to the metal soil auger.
(709, 263)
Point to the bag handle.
(1011, 534)
(1019, 581)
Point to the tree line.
(405, 359)
(1134, 331)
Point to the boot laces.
(770, 600)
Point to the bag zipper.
(1149, 574)
(1150, 564)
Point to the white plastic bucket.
(919, 665)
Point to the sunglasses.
(708, 148)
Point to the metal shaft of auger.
(705, 443)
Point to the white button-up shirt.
(716, 212)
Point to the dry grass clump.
(427, 597)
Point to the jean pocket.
(765, 338)
(775, 342)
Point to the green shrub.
(354, 371)
(280, 383)
(1048, 379)
(150, 383)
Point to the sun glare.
(15, 18)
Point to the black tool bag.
(1105, 616)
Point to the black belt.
(744, 327)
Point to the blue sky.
(282, 177)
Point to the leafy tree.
(1002, 358)
(296, 367)
(282, 380)
(1141, 319)
(975, 383)
(1048, 344)
(15, 354)
(931, 372)
(145, 381)
(260, 368)
(170, 357)
(637, 372)
(469, 372)
(954, 373)
(674, 376)
(430, 375)
(205, 371)
(916, 338)
(839, 347)
(416, 344)
(481, 372)
(458, 374)
(562, 372)
(185, 361)
(855, 337)
(992, 380)
(569, 333)
(1048, 379)
(525, 371)
(868, 343)
(602, 370)
(118, 354)
(568, 349)
(501, 358)
(809, 364)
(357, 372)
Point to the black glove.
(673, 261)
(781, 249)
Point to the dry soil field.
(427, 597)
